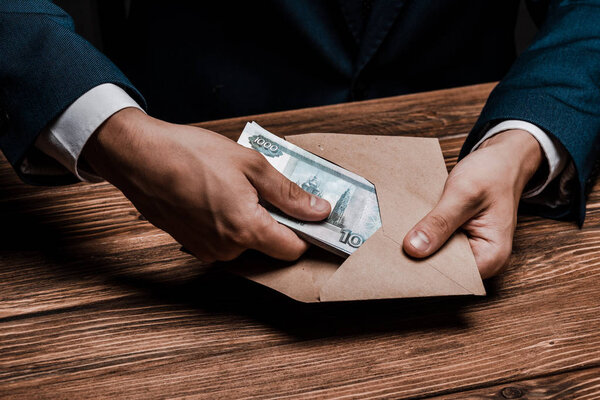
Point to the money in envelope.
(354, 213)
(379, 188)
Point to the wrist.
(522, 149)
(110, 148)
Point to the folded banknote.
(354, 209)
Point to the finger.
(278, 241)
(491, 257)
(210, 252)
(229, 253)
(225, 254)
(202, 256)
(429, 234)
(287, 196)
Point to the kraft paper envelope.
(409, 175)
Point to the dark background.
(85, 14)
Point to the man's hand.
(200, 187)
(481, 196)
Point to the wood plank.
(208, 341)
(556, 337)
(95, 301)
(581, 385)
(437, 113)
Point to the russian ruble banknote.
(354, 209)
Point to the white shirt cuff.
(556, 155)
(65, 138)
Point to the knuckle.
(235, 229)
(439, 223)
(242, 236)
(256, 162)
(247, 227)
(468, 189)
(203, 252)
(294, 254)
(205, 258)
(229, 254)
(292, 191)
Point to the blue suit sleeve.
(555, 84)
(44, 67)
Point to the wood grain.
(581, 385)
(441, 113)
(95, 301)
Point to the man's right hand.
(200, 187)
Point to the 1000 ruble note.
(354, 209)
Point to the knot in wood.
(511, 393)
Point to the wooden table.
(94, 301)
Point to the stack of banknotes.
(354, 209)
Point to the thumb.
(429, 234)
(284, 194)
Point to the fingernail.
(318, 204)
(419, 241)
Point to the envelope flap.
(301, 280)
(409, 176)
(389, 275)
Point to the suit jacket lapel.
(379, 23)
(352, 12)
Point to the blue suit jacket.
(195, 61)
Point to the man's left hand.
(481, 197)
